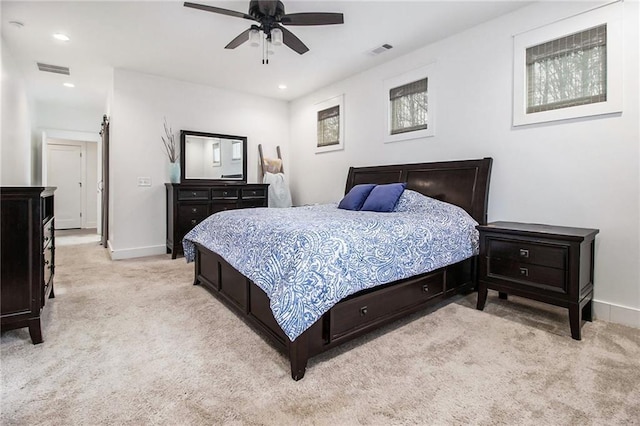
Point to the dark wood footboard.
(350, 318)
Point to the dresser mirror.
(212, 158)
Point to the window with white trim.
(571, 68)
(410, 100)
(568, 71)
(329, 126)
(409, 105)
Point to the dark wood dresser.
(28, 256)
(188, 205)
(551, 264)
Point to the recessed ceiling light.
(282, 86)
(69, 85)
(61, 37)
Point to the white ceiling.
(164, 38)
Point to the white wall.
(139, 104)
(15, 125)
(61, 118)
(581, 173)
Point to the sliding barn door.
(104, 187)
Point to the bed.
(373, 302)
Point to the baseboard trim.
(132, 253)
(617, 314)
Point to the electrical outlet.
(144, 181)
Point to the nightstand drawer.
(530, 253)
(543, 277)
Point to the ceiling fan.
(271, 17)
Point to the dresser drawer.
(193, 211)
(221, 206)
(254, 202)
(47, 256)
(224, 194)
(186, 224)
(253, 193)
(531, 253)
(541, 277)
(193, 194)
(47, 233)
(353, 315)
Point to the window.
(409, 107)
(217, 160)
(236, 150)
(410, 103)
(568, 71)
(571, 68)
(329, 126)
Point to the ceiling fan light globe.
(254, 38)
(276, 36)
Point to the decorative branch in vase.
(171, 149)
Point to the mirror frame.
(200, 181)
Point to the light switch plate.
(144, 181)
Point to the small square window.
(329, 126)
(410, 101)
(568, 71)
(409, 107)
(329, 119)
(571, 68)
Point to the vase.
(174, 172)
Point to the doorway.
(64, 171)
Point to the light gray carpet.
(133, 342)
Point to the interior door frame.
(70, 137)
(77, 147)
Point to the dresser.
(28, 256)
(188, 205)
(551, 264)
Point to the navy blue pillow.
(356, 197)
(383, 198)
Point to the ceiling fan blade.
(218, 10)
(312, 19)
(242, 37)
(293, 42)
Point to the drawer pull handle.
(363, 311)
(194, 210)
(524, 253)
(224, 194)
(46, 262)
(425, 288)
(524, 272)
(194, 221)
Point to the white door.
(64, 170)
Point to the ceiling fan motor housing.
(266, 11)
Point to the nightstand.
(551, 264)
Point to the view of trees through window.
(329, 126)
(409, 107)
(567, 71)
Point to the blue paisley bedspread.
(306, 259)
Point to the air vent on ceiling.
(378, 50)
(53, 68)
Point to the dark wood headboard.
(463, 183)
